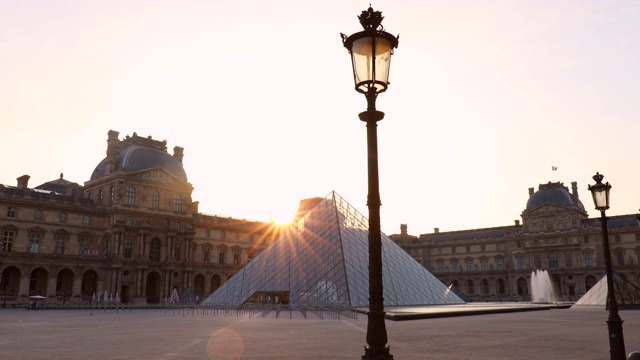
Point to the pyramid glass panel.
(323, 259)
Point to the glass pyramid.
(626, 293)
(322, 259)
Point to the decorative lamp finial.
(371, 20)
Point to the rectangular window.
(128, 244)
(7, 240)
(482, 247)
(500, 263)
(468, 248)
(222, 257)
(84, 246)
(453, 249)
(498, 247)
(454, 266)
(207, 255)
(469, 265)
(568, 260)
(155, 199)
(62, 217)
(236, 257)
(537, 261)
(520, 261)
(176, 251)
(11, 212)
(37, 215)
(223, 234)
(207, 233)
(588, 259)
(483, 262)
(620, 257)
(86, 220)
(129, 220)
(60, 239)
(553, 260)
(177, 206)
(440, 266)
(34, 242)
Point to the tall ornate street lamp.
(371, 51)
(600, 194)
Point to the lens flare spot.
(225, 344)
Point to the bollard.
(634, 356)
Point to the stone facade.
(131, 230)
(556, 235)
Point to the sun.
(282, 218)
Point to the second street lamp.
(600, 194)
(371, 51)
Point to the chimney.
(112, 151)
(436, 230)
(517, 222)
(23, 182)
(574, 188)
(403, 229)
(178, 153)
(530, 191)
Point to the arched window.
(523, 287)
(154, 249)
(550, 224)
(502, 289)
(470, 287)
(131, 195)
(484, 284)
(177, 206)
(155, 199)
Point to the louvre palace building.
(132, 230)
(556, 235)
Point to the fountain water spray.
(542, 290)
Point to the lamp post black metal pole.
(600, 194)
(371, 51)
(376, 328)
(614, 322)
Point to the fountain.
(542, 291)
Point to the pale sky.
(485, 97)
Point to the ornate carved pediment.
(158, 175)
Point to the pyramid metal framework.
(322, 260)
(627, 294)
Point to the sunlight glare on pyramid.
(322, 259)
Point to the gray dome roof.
(135, 158)
(553, 193)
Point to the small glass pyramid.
(322, 259)
(627, 294)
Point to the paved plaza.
(184, 334)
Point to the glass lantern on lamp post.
(600, 193)
(371, 51)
